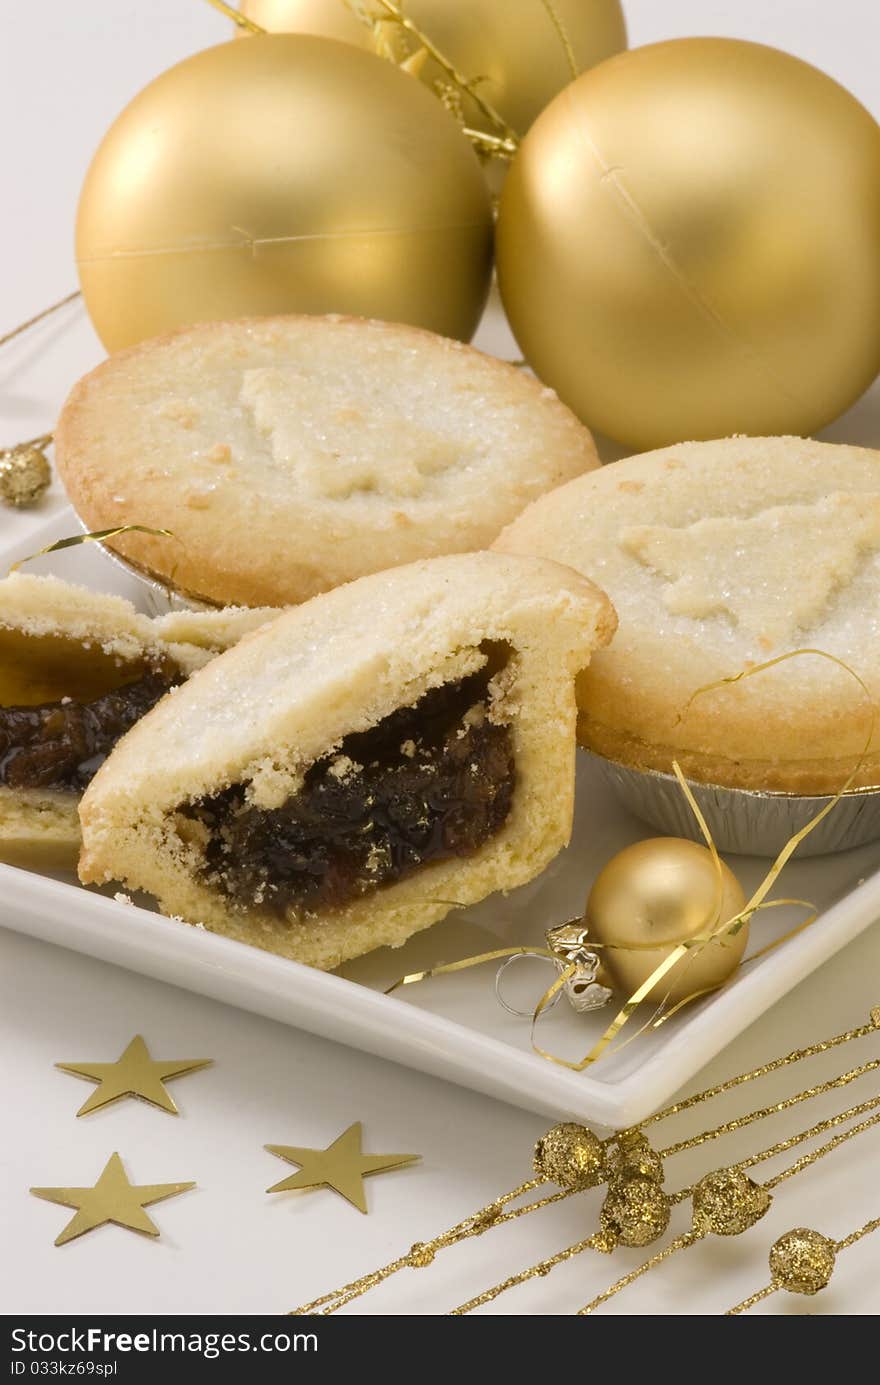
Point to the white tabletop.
(65, 72)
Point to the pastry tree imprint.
(742, 567)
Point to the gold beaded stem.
(597, 1240)
(556, 20)
(807, 1159)
(854, 1236)
(796, 1056)
(237, 17)
(543, 1267)
(829, 1123)
(690, 1238)
(458, 79)
(38, 317)
(683, 1242)
(776, 1285)
(25, 473)
(494, 1214)
(499, 146)
(740, 1121)
(750, 1302)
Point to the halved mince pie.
(77, 670)
(343, 777)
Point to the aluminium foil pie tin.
(745, 822)
(158, 597)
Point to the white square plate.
(453, 1026)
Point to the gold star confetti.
(342, 1167)
(112, 1199)
(134, 1073)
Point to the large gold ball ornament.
(285, 174)
(802, 1261)
(571, 1156)
(521, 57)
(688, 244)
(651, 897)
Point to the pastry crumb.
(343, 766)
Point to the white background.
(66, 69)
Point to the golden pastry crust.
(286, 696)
(292, 454)
(719, 556)
(40, 828)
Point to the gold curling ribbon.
(97, 536)
(715, 931)
(556, 20)
(504, 143)
(38, 317)
(241, 20)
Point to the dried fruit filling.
(62, 745)
(428, 783)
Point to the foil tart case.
(745, 822)
(157, 597)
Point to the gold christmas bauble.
(688, 244)
(654, 895)
(522, 51)
(802, 1261)
(285, 174)
(570, 1155)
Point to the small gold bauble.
(285, 174)
(654, 895)
(635, 1211)
(25, 475)
(728, 1202)
(802, 1261)
(632, 1156)
(689, 244)
(570, 1155)
(512, 46)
